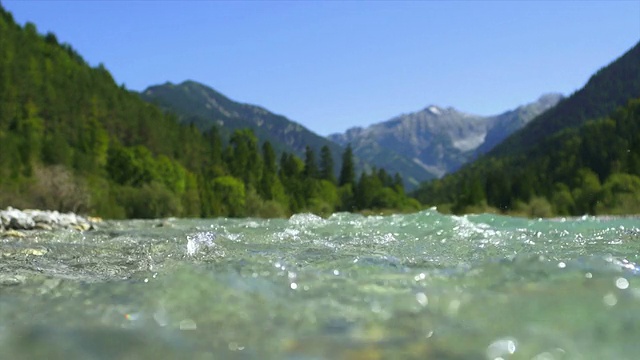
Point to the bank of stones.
(17, 220)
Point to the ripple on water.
(423, 285)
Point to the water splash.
(197, 241)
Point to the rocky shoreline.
(12, 220)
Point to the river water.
(418, 286)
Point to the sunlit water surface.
(419, 286)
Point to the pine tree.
(269, 171)
(242, 157)
(326, 165)
(347, 172)
(310, 165)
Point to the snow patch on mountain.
(469, 143)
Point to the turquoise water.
(419, 286)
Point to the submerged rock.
(14, 233)
(14, 219)
(11, 280)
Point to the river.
(416, 286)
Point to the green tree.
(310, 165)
(31, 129)
(620, 195)
(365, 191)
(563, 200)
(214, 166)
(587, 192)
(326, 165)
(270, 186)
(347, 171)
(131, 166)
(242, 157)
(291, 169)
(171, 174)
(56, 149)
(231, 194)
(191, 202)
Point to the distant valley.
(420, 146)
(72, 139)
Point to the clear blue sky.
(331, 65)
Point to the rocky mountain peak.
(439, 140)
(434, 110)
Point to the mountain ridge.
(440, 139)
(200, 104)
(580, 157)
(585, 104)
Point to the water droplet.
(336, 272)
(422, 299)
(610, 299)
(161, 317)
(188, 324)
(500, 347)
(132, 316)
(544, 356)
(562, 265)
(375, 307)
(622, 283)
(588, 275)
(294, 286)
(454, 306)
(234, 346)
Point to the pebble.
(35, 251)
(14, 233)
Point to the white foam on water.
(305, 219)
(197, 241)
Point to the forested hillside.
(575, 166)
(72, 139)
(609, 88)
(201, 105)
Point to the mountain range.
(72, 139)
(436, 141)
(419, 146)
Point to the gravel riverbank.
(12, 220)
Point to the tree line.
(71, 139)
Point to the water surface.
(419, 286)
